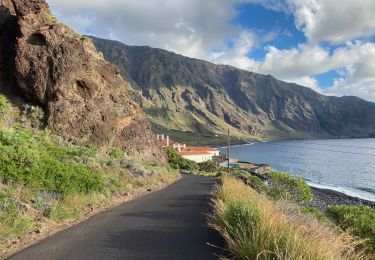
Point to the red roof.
(193, 153)
(200, 149)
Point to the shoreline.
(325, 197)
(244, 142)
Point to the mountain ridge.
(191, 95)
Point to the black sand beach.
(326, 197)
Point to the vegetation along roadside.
(46, 181)
(273, 220)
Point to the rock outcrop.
(84, 97)
(198, 96)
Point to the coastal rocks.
(84, 97)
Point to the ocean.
(344, 165)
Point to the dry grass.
(257, 228)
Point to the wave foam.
(347, 191)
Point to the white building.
(199, 154)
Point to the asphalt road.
(167, 224)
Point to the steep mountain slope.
(84, 97)
(194, 95)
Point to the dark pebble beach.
(326, 197)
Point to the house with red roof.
(196, 154)
(200, 154)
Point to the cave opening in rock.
(37, 39)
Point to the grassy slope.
(44, 178)
(170, 115)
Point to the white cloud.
(190, 27)
(355, 61)
(306, 81)
(335, 21)
(296, 62)
(238, 55)
(358, 80)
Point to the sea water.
(345, 165)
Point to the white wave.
(248, 144)
(345, 190)
(236, 145)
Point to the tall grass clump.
(255, 227)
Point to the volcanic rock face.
(84, 97)
(195, 95)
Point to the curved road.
(167, 224)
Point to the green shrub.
(3, 104)
(284, 186)
(177, 162)
(359, 219)
(173, 157)
(255, 183)
(115, 153)
(29, 160)
(208, 166)
(78, 151)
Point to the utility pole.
(228, 151)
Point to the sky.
(327, 45)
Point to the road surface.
(167, 224)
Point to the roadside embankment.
(255, 227)
(48, 184)
(344, 213)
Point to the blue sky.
(327, 45)
(262, 20)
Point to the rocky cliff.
(194, 95)
(84, 97)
